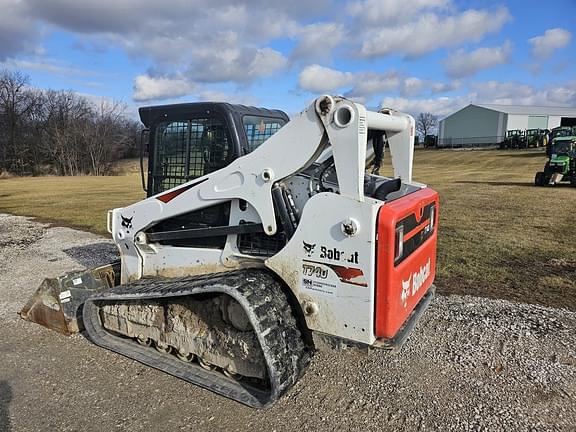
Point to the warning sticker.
(319, 287)
(65, 296)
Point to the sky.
(411, 55)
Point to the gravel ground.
(471, 364)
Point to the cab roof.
(151, 114)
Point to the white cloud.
(563, 95)
(265, 62)
(169, 89)
(413, 85)
(316, 41)
(431, 31)
(371, 83)
(490, 92)
(438, 106)
(501, 90)
(523, 94)
(319, 79)
(229, 60)
(53, 67)
(205, 40)
(381, 12)
(154, 88)
(368, 84)
(362, 86)
(219, 96)
(462, 64)
(552, 39)
(17, 31)
(192, 44)
(445, 87)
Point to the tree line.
(60, 132)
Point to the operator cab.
(564, 146)
(187, 141)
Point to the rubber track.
(266, 305)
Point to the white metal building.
(485, 124)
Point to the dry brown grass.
(80, 202)
(499, 235)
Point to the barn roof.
(531, 109)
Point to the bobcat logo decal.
(415, 281)
(127, 222)
(309, 248)
(405, 291)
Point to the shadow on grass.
(93, 255)
(5, 398)
(497, 183)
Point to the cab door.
(182, 150)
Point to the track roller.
(206, 365)
(185, 357)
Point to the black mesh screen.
(259, 129)
(261, 244)
(185, 150)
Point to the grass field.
(499, 235)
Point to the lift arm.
(297, 145)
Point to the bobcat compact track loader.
(261, 240)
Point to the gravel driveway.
(471, 364)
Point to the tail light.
(399, 243)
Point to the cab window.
(184, 150)
(258, 129)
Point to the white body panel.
(340, 308)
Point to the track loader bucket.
(57, 303)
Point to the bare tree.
(104, 136)
(426, 123)
(66, 114)
(16, 102)
(49, 131)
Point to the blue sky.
(411, 55)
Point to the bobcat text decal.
(415, 281)
(331, 253)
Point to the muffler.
(57, 303)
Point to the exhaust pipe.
(57, 303)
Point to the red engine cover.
(405, 257)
